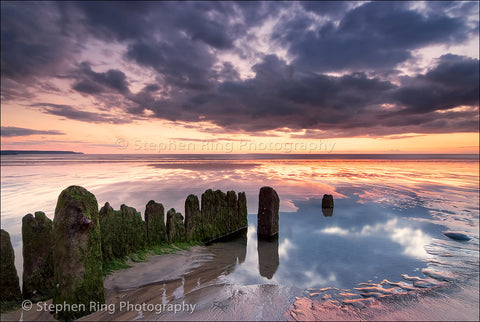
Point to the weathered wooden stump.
(242, 212)
(268, 207)
(9, 284)
(155, 221)
(37, 236)
(193, 219)
(77, 253)
(327, 201)
(175, 226)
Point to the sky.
(240, 77)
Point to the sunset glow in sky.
(240, 77)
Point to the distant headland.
(15, 152)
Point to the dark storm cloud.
(374, 35)
(349, 105)
(35, 42)
(90, 82)
(455, 71)
(120, 21)
(180, 64)
(11, 131)
(173, 39)
(73, 113)
(207, 22)
(454, 82)
(181, 45)
(332, 9)
(227, 72)
(204, 21)
(452, 8)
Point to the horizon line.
(265, 153)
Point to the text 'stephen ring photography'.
(220, 160)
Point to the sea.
(389, 221)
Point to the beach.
(381, 255)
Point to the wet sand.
(191, 278)
(184, 279)
(454, 303)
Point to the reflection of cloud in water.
(413, 240)
(361, 242)
(314, 278)
(287, 205)
(285, 247)
(334, 231)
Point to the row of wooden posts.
(63, 259)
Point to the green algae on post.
(77, 252)
(193, 219)
(231, 211)
(208, 214)
(222, 214)
(155, 222)
(220, 209)
(242, 211)
(175, 226)
(110, 231)
(37, 237)
(122, 231)
(10, 294)
(134, 229)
